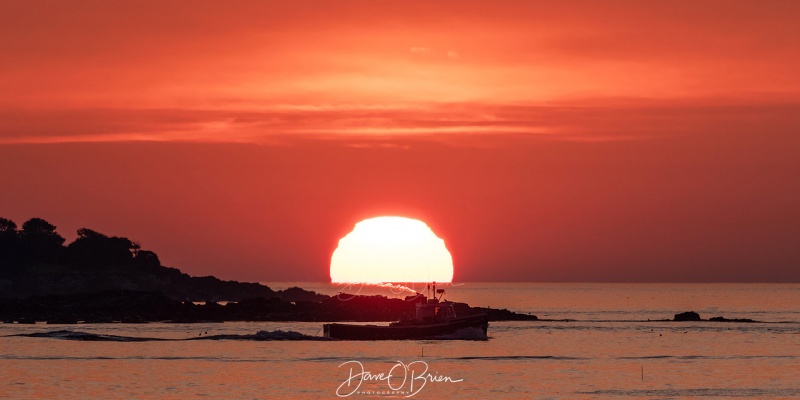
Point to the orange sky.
(581, 141)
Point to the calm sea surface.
(596, 342)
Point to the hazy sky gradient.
(579, 141)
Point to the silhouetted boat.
(434, 319)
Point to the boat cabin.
(433, 310)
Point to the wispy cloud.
(593, 121)
(256, 70)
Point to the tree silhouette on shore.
(35, 261)
(38, 243)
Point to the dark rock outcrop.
(138, 307)
(297, 294)
(494, 314)
(693, 316)
(687, 316)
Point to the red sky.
(577, 141)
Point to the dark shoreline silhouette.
(277, 335)
(100, 278)
(35, 262)
(137, 307)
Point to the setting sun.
(391, 249)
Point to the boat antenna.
(427, 292)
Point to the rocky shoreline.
(127, 306)
(101, 278)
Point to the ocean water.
(595, 341)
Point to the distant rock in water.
(693, 316)
(687, 316)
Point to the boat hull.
(472, 327)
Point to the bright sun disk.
(391, 249)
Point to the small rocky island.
(693, 316)
(100, 278)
